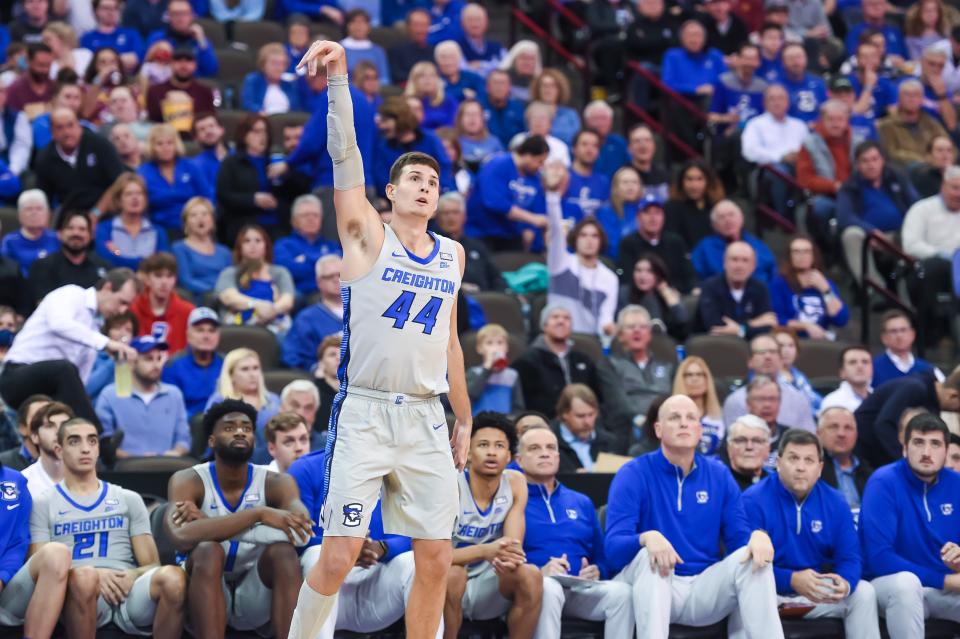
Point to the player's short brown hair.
(409, 159)
(283, 423)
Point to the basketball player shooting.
(400, 351)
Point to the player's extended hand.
(370, 553)
(588, 570)
(115, 585)
(460, 443)
(323, 52)
(297, 526)
(184, 512)
(663, 557)
(760, 550)
(950, 555)
(556, 566)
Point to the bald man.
(734, 302)
(667, 513)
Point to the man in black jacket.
(652, 238)
(74, 263)
(579, 438)
(551, 363)
(878, 417)
(78, 166)
(27, 452)
(842, 469)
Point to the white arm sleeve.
(342, 136)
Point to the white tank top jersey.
(396, 320)
(241, 556)
(475, 526)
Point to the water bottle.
(123, 378)
(681, 352)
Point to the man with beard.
(184, 67)
(208, 133)
(42, 474)
(237, 524)
(74, 263)
(909, 530)
(34, 88)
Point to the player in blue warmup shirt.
(910, 529)
(811, 526)
(667, 515)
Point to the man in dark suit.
(579, 438)
(842, 469)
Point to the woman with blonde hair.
(552, 87)
(62, 40)
(125, 236)
(619, 217)
(695, 380)
(242, 378)
(523, 63)
(476, 141)
(267, 90)
(171, 179)
(200, 259)
(439, 109)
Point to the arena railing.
(660, 125)
(553, 44)
(904, 264)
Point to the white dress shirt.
(64, 326)
(766, 140)
(38, 481)
(844, 397)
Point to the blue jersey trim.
(466, 473)
(341, 395)
(429, 258)
(216, 484)
(86, 509)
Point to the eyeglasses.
(756, 442)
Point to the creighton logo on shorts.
(702, 496)
(946, 509)
(8, 491)
(352, 514)
(816, 526)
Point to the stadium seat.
(513, 260)
(715, 631)
(279, 120)
(9, 222)
(726, 356)
(483, 629)
(813, 629)
(168, 554)
(503, 309)
(235, 65)
(663, 347)
(153, 464)
(198, 440)
(820, 358)
(387, 37)
(571, 628)
(278, 378)
(215, 31)
(254, 337)
(230, 119)
(468, 342)
(257, 34)
(589, 345)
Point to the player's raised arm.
(358, 223)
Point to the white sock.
(311, 612)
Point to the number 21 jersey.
(396, 319)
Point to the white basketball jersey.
(396, 320)
(475, 526)
(241, 556)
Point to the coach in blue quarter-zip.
(667, 514)
(811, 527)
(564, 538)
(909, 529)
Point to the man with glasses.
(746, 450)
(794, 408)
(897, 336)
(631, 379)
(316, 322)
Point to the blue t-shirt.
(806, 96)
(489, 202)
(884, 95)
(586, 194)
(25, 251)
(196, 383)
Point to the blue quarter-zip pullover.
(167, 198)
(15, 531)
(562, 522)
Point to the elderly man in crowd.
(727, 221)
(34, 239)
(299, 251)
(906, 132)
(842, 468)
(734, 302)
(747, 450)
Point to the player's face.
(926, 453)
(489, 452)
(46, 436)
(799, 468)
(80, 448)
(678, 423)
(953, 457)
(838, 432)
(32, 410)
(416, 192)
(540, 456)
(290, 446)
(232, 438)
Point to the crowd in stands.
(170, 246)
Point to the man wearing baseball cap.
(152, 416)
(196, 370)
(651, 237)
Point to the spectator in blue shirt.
(317, 10)
(807, 91)
(183, 30)
(459, 83)
(564, 537)
(619, 216)
(692, 69)
(908, 530)
(153, 417)
(298, 39)
(317, 321)
(125, 236)
(875, 19)
(771, 45)
(171, 179)
(400, 133)
(144, 16)
(34, 239)
(271, 89)
(300, 250)
(937, 100)
(477, 144)
(897, 360)
(669, 514)
(727, 221)
(802, 297)
(875, 197)
(358, 46)
(875, 93)
(811, 526)
(242, 11)
(445, 21)
(200, 259)
(482, 54)
(439, 108)
(109, 33)
(738, 93)
(196, 370)
(503, 113)
(734, 302)
(208, 133)
(588, 190)
(598, 115)
(497, 215)
(552, 88)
